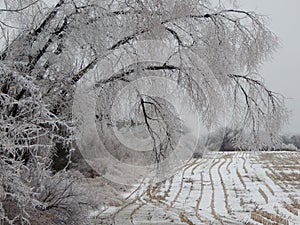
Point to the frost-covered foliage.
(29, 131)
(47, 49)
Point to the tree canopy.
(47, 49)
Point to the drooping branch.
(258, 85)
(19, 9)
(264, 111)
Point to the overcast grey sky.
(282, 73)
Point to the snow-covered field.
(221, 188)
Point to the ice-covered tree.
(47, 48)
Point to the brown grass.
(263, 194)
(199, 199)
(241, 178)
(227, 167)
(290, 208)
(181, 183)
(244, 165)
(184, 219)
(224, 188)
(266, 218)
(135, 211)
(269, 188)
(295, 202)
(212, 203)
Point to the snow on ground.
(220, 188)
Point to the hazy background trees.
(46, 48)
(291, 140)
